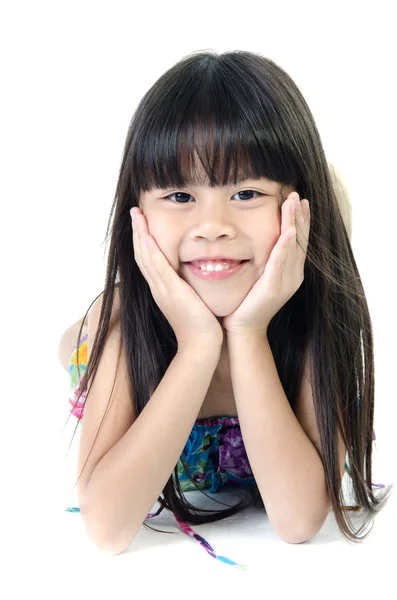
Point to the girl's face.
(240, 221)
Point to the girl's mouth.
(217, 275)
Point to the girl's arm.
(135, 456)
(286, 465)
(68, 340)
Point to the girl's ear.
(343, 198)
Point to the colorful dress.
(214, 453)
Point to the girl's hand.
(187, 314)
(283, 273)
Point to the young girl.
(232, 347)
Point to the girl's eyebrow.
(262, 180)
(257, 180)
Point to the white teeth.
(212, 267)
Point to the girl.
(255, 375)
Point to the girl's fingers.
(141, 253)
(302, 220)
(295, 225)
(299, 239)
(287, 214)
(153, 264)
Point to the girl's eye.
(185, 194)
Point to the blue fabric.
(215, 456)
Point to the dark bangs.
(232, 120)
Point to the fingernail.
(295, 197)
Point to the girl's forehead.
(195, 169)
(195, 174)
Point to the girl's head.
(211, 129)
(216, 146)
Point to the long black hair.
(242, 114)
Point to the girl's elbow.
(108, 542)
(295, 540)
(301, 537)
(110, 547)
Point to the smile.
(214, 275)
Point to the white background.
(72, 75)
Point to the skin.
(203, 220)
